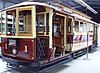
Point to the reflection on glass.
(21, 23)
(11, 15)
(3, 17)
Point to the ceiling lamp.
(86, 5)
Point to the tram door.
(58, 34)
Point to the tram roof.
(56, 8)
(50, 6)
(29, 4)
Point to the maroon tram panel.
(20, 45)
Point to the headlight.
(14, 51)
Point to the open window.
(25, 21)
(42, 21)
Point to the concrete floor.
(79, 65)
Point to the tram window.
(25, 22)
(69, 22)
(87, 27)
(76, 26)
(11, 16)
(47, 23)
(81, 27)
(56, 30)
(3, 22)
(40, 23)
(91, 27)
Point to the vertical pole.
(87, 41)
(87, 47)
(65, 34)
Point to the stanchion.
(87, 49)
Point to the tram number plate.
(12, 42)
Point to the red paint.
(30, 46)
(20, 46)
(30, 43)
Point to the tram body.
(51, 31)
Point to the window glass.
(76, 26)
(25, 21)
(69, 23)
(11, 16)
(0, 23)
(91, 28)
(3, 22)
(81, 27)
(40, 23)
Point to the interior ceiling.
(95, 4)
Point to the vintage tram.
(44, 31)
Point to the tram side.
(44, 32)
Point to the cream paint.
(50, 26)
(65, 33)
(78, 46)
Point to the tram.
(32, 31)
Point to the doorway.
(58, 34)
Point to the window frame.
(23, 33)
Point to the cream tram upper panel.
(60, 7)
(64, 9)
